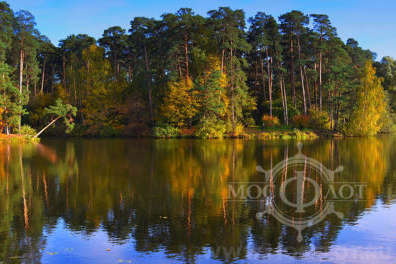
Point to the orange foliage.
(301, 121)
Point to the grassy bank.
(281, 134)
(19, 138)
(252, 133)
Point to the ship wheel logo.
(298, 187)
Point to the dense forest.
(186, 74)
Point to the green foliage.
(114, 41)
(210, 128)
(11, 100)
(65, 111)
(249, 121)
(315, 119)
(61, 109)
(386, 69)
(36, 109)
(287, 134)
(109, 131)
(6, 28)
(212, 86)
(299, 134)
(388, 123)
(213, 101)
(230, 40)
(103, 103)
(319, 119)
(27, 131)
(166, 131)
(235, 130)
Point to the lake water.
(175, 201)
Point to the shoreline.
(15, 138)
(249, 133)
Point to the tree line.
(188, 74)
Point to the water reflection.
(170, 198)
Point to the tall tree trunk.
(148, 77)
(21, 59)
(52, 78)
(284, 91)
(269, 73)
(337, 113)
(316, 86)
(75, 90)
(303, 90)
(222, 60)
(262, 76)
(178, 67)
(129, 73)
(308, 89)
(64, 71)
(292, 77)
(285, 98)
(43, 76)
(320, 72)
(302, 76)
(256, 75)
(47, 126)
(330, 108)
(27, 83)
(186, 55)
(233, 118)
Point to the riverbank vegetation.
(190, 75)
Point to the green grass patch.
(282, 134)
(19, 138)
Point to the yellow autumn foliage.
(370, 105)
(180, 103)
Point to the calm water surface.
(167, 201)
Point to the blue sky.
(372, 23)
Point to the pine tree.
(6, 30)
(265, 39)
(26, 45)
(212, 86)
(114, 43)
(11, 100)
(228, 27)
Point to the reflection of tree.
(21, 227)
(171, 195)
